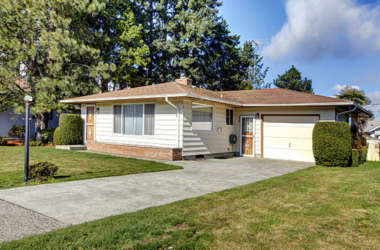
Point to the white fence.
(373, 150)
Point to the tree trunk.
(42, 122)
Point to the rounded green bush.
(332, 144)
(56, 139)
(70, 129)
(355, 158)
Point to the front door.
(247, 136)
(90, 121)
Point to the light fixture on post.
(28, 99)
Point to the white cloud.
(326, 27)
(375, 98)
(339, 87)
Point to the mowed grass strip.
(72, 165)
(315, 208)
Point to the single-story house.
(176, 120)
(373, 129)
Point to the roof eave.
(79, 101)
(299, 104)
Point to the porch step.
(71, 147)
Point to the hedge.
(332, 144)
(355, 158)
(56, 139)
(70, 129)
(363, 155)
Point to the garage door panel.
(292, 132)
(293, 154)
(289, 137)
(292, 119)
(295, 143)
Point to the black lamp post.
(27, 99)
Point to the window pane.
(202, 118)
(133, 115)
(149, 119)
(227, 117)
(117, 119)
(231, 117)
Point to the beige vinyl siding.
(327, 114)
(165, 134)
(207, 142)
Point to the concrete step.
(71, 147)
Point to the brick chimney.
(184, 81)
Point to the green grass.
(315, 208)
(72, 165)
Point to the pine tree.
(49, 45)
(121, 45)
(292, 80)
(254, 75)
(189, 38)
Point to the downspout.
(178, 122)
(345, 112)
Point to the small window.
(202, 117)
(229, 117)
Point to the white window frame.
(213, 117)
(143, 124)
(233, 116)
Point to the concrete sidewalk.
(80, 201)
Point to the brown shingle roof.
(278, 96)
(240, 97)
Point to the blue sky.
(332, 42)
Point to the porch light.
(257, 115)
(97, 110)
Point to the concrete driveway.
(76, 202)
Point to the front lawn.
(72, 165)
(315, 208)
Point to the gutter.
(178, 122)
(345, 112)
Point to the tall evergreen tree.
(50, 45)
(121, 45)
(189, 38)
(292, 80)
(254, 75)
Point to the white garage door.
(289, 137)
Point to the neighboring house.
(176, 121)
(8, 118)
(373, 129)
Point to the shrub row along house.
(176, 120)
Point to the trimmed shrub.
(332, 144)
(70, 129)
(42, 171)
(355, 158)
(35, 143)
(48, 134)
(3, 141)
(56, 139)
(16, 130)
(363, 155)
